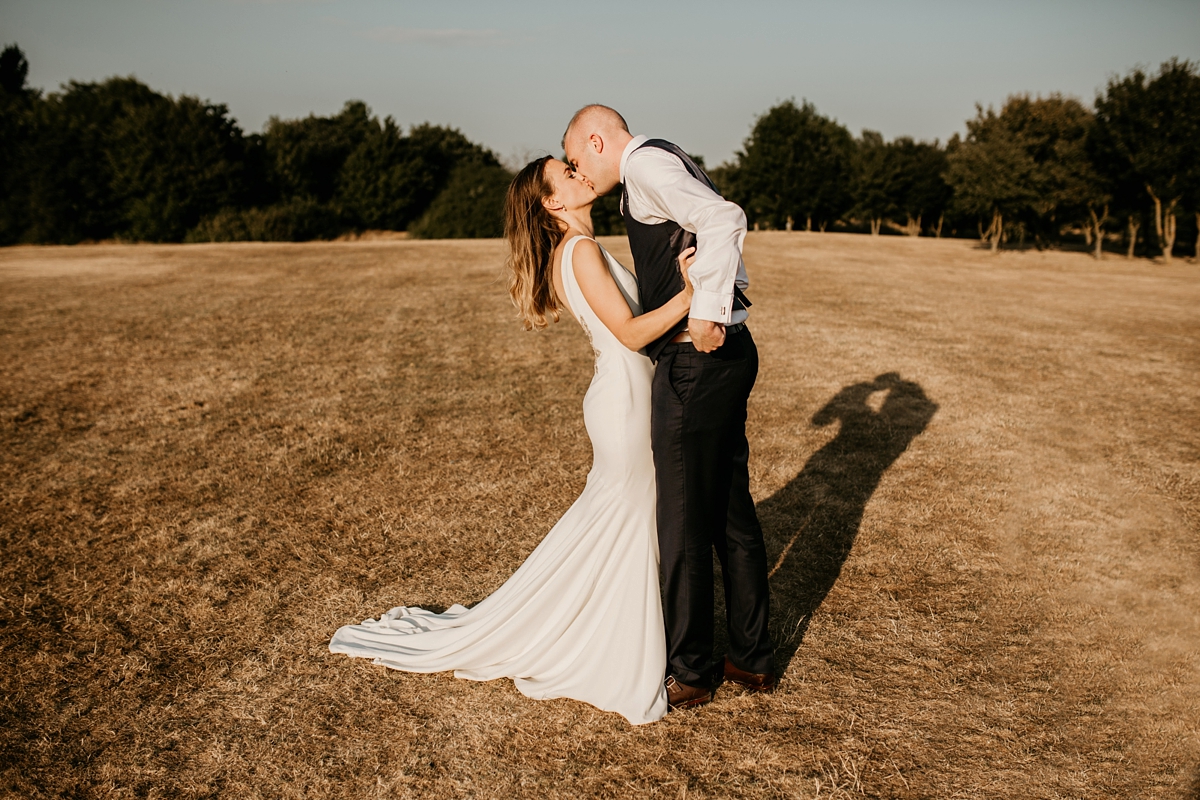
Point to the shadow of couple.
(811, 523)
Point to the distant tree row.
(119, 160)
(1041, 169)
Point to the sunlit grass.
(978, 476)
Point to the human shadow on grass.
(811, 523)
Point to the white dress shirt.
(660, 189)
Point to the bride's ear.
(552, 204)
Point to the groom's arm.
(661, 188)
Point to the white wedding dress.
(582, 617)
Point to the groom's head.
(594, 141)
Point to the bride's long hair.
(532, 234)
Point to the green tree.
(900, 179)
(873, 195)
(373, 182)
(796, 164)
(1148, 134)
(69, 173)
(1053, 131)
(1027, 166)
(991, 174)
(389, 180)
(14, 71)
(916, 186)
(305, 156)
(118, 159)
(1127, 200)
(174, 162)
(17, 104)
(351, 171)
(471, 206)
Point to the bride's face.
(571, 190)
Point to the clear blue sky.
(510, 74)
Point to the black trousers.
(698, 431)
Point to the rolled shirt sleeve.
(660, 189)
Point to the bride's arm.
(600, 290)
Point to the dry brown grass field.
(979, 478)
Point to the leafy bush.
(292, 221)
(471, 205)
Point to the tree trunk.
(1169, 223)
(1157, 217)
(1097, 229)
(996, 229)
(808, 223)
(1164, 224)
(1197, 256)
(913, 228)
(823, 224)
(789, 222)
(1133, 230)
(875, 223)
(937, 232)
(1087, 230)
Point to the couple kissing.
(615, 606)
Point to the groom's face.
(586, 155)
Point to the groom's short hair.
(594, 113)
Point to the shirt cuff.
(712, 306)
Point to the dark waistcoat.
(655, 248)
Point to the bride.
(582, 617)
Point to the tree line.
(117, 160)
(1041, 169)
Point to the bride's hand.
(686, 259)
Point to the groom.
(706, 367)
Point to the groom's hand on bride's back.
(706, 336)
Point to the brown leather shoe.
(680, 695)
(754, 681)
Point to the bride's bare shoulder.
(586, 253)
